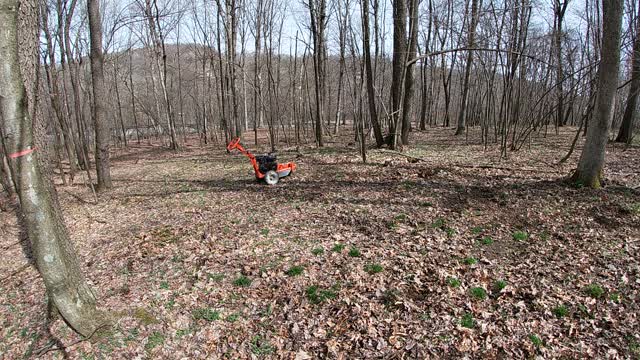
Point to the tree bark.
(409, 87)
(102, 128)
(54, 254)
(398, 66)
(591, 164)
(462, 119)
(371, 95)
(625, 134)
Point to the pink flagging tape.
(22, 153)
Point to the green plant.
(470, 261)
(391, 224)
(468, 321)
(487, 240)
(337, 247)
(294, 270)
(615, 297)
(373, 268)
(585, 311)
(354, 252)
(634, 345)
(476, 230)
(499, 285)
(316, 295)
(478, 293)
(453, 282)
(155, 339)
(183, 332)
(317, 251)
(401, 217)
(233, 317)
(594, 290)
(449, 231)
(260, 346)
(536, 340)
(560, 311)
(390, 297)
(242, 281)
(520, 236)
(164, 285)
(438, 223)
(264, 232)
(205, 314)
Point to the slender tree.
(371, 94)
(471, 38)
(101, 125)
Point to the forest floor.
(459, 255)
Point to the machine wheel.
(271, 177)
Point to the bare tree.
(591, 164)
(625, 134)
(319, 20)
(55, 257)
(371, 95)
(101, 125)
(471, 37)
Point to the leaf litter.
(194, 257)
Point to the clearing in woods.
(457, 255)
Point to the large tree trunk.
(102, 128)
(54, 254)
(625, 134)
(591, 163)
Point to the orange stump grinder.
(265, 166)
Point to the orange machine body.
(282, 169)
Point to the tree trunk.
(102, 128)
(625, 135)
(371, 95)
(462, 120)
(591, 164)
(398, 67)
(54, 254)
(409, 87)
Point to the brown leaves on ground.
(455, 255)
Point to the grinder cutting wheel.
(265, 166)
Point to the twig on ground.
(21, 269)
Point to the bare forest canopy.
(219, 69)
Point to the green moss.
(144, 316)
